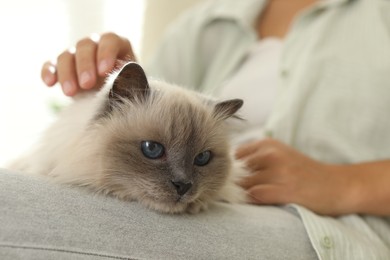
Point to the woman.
(329, 125)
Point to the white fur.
(65, 152)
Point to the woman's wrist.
(348, 194)
(365, 188)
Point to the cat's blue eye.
(152, 150)
(203, 158)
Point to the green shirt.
(333, 98)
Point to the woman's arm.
(283, 175)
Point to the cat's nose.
(181, 187)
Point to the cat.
(146, 140)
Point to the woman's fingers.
(247, 149)
(85, 58)
(66, 73)
(112, 47)
(256, 178)
(267, 194)
(257, 162)
(49, 73)
(86, 65)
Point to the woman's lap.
(43, 220)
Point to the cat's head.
(164, 146)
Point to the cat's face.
(166, 149)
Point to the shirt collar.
(331, 3)
(244, 12)
(247, 11)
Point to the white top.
(255, 82)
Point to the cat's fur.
(97, 143)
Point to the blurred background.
(35, 31)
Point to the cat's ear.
(131, 83)
(228, 108)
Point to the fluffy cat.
(149, 141)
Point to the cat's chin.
(168, 208)
(169, 203)
(176, 207)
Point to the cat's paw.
(196, 207)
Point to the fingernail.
(48, 80)
(52, 69)
(104, 66)
(85, 78)
(68, 88)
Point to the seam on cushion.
(65, 251)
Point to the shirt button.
(327, 242)
(284, 73)
(269, 134)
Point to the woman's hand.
(86, 66)
(282, 175)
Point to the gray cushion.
(41, 220)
